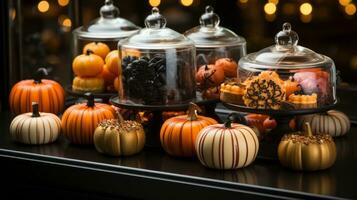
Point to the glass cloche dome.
(283, 76)
(217, 49)
(158, 65)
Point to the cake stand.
(153, 126)
(269, 144)
(105, 96)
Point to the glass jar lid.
(156, 35)
(286, 53)
(108, 26)
(210, 34)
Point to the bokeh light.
(350, 9)
(63, 2)
(154, 3)
(186, 2)
(270, 8)
(43, 6)
(306, 8)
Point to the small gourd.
(178, 134)
(332, 122)
(306, 151)
(227, 146)
(117, 137)
(35, 127)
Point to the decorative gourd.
(229, 67)
(98, 48)
(209, 76)
(35, 127)
(332, 122)
(107, 76)
(307, 152)
(178, 134)
(117, 137)
(48, 93)
(87, 65)
(88, 84)
(79, 121)
(227, 146)
(113, 62)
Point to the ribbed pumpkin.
(87, 65)
(113, 62)
(332, 122)
(306, 151)
(48, 93)
(79, 121)
(227, 146)
(229, 67)
(178, 134)
(117, 137)
(35, 127)
(209, 75)
(98, 48)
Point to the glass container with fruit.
(218, 51)
(95, 56)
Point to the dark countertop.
(83, 169)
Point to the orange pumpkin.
(113, 62)
(178, 134)
(87, 65)
(98, 48)
(95, 84)
(116, 83)
(48, 93)
(107, 75)
(79, 121)
(209, 76)
(229, 67)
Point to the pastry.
(232, 92)
(265, 91)
(301, 101)
(88, 84)
(291, 86)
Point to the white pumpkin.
(333, 122)
(35, 127)
(227, 146)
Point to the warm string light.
(154, 3)
(63, 2)
(43, 6)
(350, 9)
(306, 9)
(269, 8)
(186, 2)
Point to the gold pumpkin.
(307, 152)
(332, 122)
(35, 127)
(227, 146)
(117, 137)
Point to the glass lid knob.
(155, 19)
(108, 10)
(209, 18)
(286, 37)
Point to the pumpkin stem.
(40, 74)
(228, 123)
(206, 67)
(89, 52)
(35, 112)
(192, 111)
(308, 131)
(120, 117)
(90, 99)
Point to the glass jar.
(218, 50)
(158, 65)
(283, 76)
(98, 73)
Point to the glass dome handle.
(155, 19)
(109, 10)
(209, 18)
(287, 37)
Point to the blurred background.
(38, 32)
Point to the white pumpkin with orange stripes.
(333, 122)
(227, 146)
(35, 127)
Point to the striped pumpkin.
(118, 137)
(333, 122)
(227, 146)
(178, 134)
(49, 95)
(35, 127)
(79, 121)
